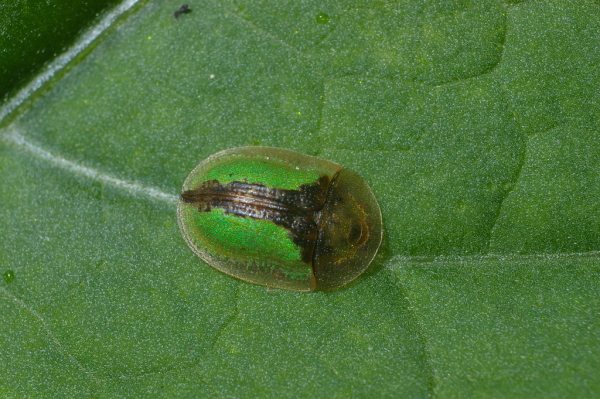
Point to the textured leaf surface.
(33, 32)
(477, 124)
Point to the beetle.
(279, 218)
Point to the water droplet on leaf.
(322, 18)
(9, 276)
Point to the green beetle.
(280, 218)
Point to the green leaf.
(32, 33)
(476, 123)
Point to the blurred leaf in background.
(476, 123)
(34, 32)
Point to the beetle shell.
(280, 218)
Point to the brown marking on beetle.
(295, 210)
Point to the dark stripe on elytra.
(295, 210)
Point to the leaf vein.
(64, 59)
(50, 334)
(260, 30)
(133, 188)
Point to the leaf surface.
(476, 123)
